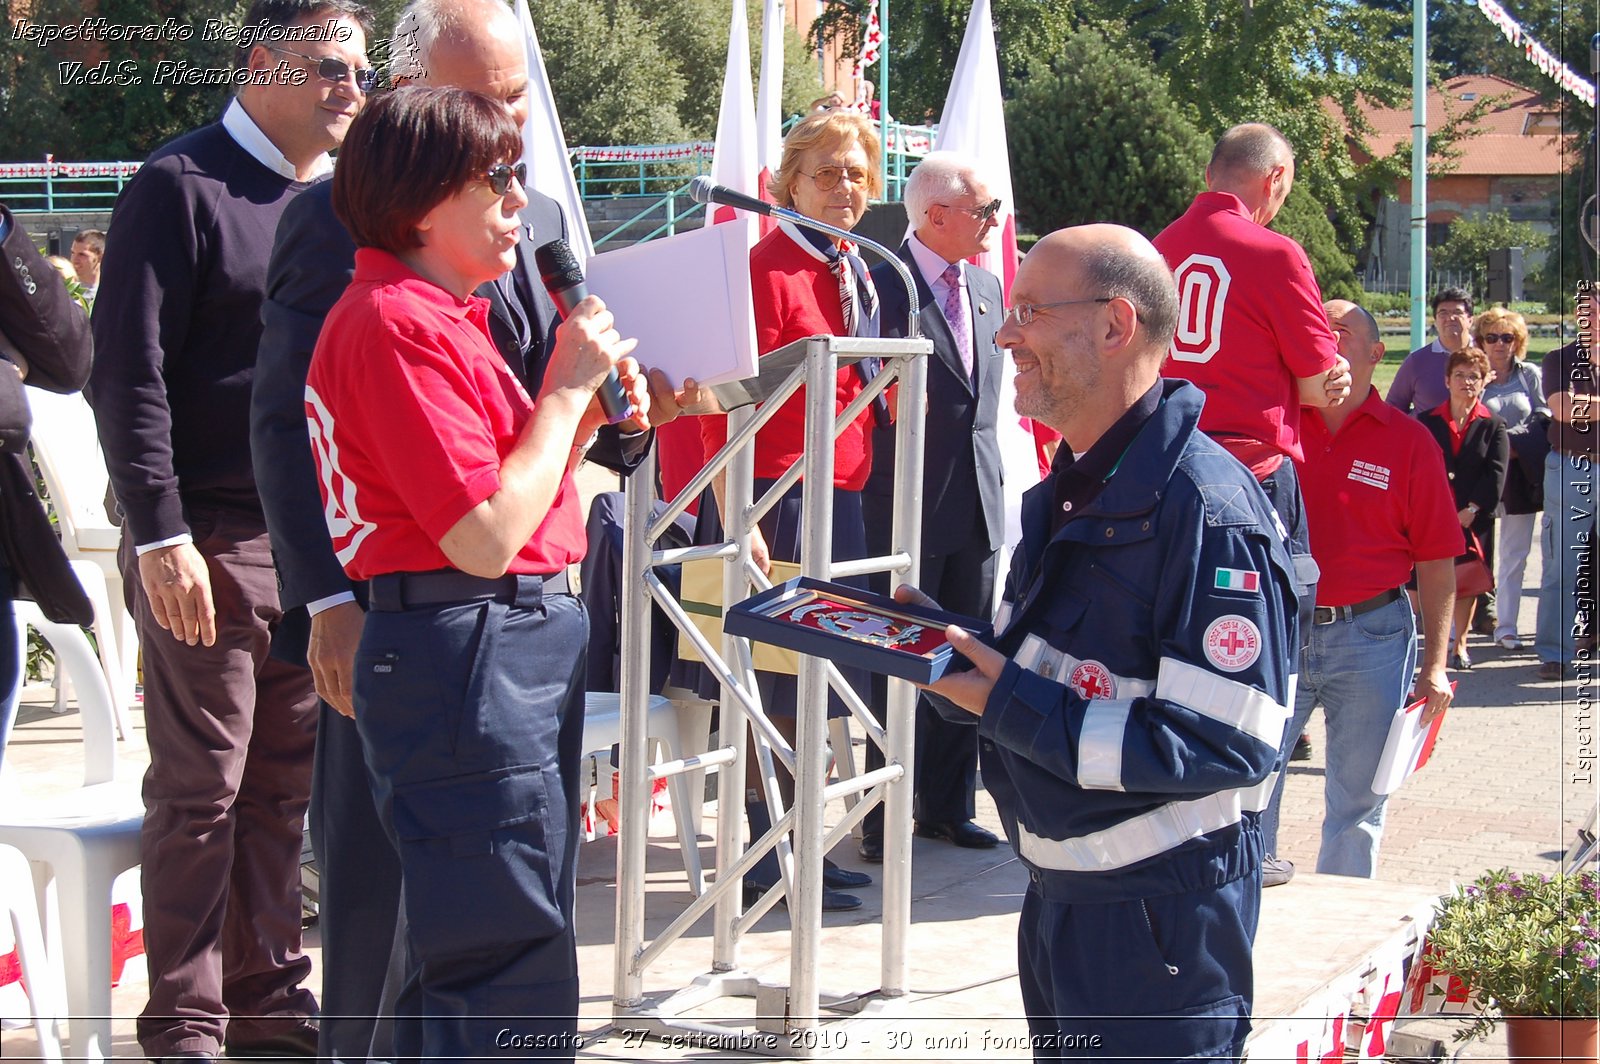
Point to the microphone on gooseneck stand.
(563, 279)
(704, 190)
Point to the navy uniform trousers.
(1182, 964)
(471, 715)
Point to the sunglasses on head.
(1499, 338)
(336, 70)
(500, 174)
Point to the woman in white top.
(1516, 397)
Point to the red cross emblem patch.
(1232, 643)
(1092, 680)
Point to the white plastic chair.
(678, 729)
(42, 979)
(80, 841)
(68, 452)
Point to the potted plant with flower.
(1529, 946)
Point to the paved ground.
(1506, 787)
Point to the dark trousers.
(360, 916)
(472, 720)
(1159, 978)
(946, 775)
(231, 731)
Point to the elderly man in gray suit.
(954, 217)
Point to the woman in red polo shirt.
(449, 490)
(805, 283)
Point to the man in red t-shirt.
(1252, 334)
(1379, 503)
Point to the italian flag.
(1238, 580)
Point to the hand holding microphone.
(563, 279)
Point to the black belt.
(1329, 614)
(393, 592)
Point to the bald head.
(1256, 163)
(1359, 343)
(466, 44)
(1115, 262)
(1103, 307)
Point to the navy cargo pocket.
(474, 856)
(1214, 1031)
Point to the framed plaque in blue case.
(852, 627)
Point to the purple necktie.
(955, 312)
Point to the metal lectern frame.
(788, 1018)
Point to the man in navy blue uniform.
(1131, 703)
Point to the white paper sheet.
(687, 299)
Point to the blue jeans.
(1566, 528)
(1360, 672)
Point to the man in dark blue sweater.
(230, 729)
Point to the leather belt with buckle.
(1329, 614)
(398, 591)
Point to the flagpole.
(1419, 170)
(883, 95)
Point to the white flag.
(734, 164)
(544, 148)
(769, 101)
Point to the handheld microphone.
(703, 190)
(563, 279)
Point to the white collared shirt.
(932, 265)
(243, 129)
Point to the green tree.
(1298, 64)
(925, 39)
(1461, 40)
(1096, 136)
(1304, 219)
(613, 82)
(695, 34)
(1472, 238)
(42, 111)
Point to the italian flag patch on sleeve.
(1238, 580)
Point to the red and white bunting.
(1549, 65)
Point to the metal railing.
(601, 171)
(667, 227)
(50, 186)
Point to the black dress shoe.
(870, 849)
(963, 833)
(1302, 748)
(298, 1040)
(836, 878)
(833, 901)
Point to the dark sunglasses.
(1499, 338)
(500, 174)
(983, 214)
(336, 70)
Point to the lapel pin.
(983, 308)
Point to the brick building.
(1514, 164)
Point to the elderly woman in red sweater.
(805, 283)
